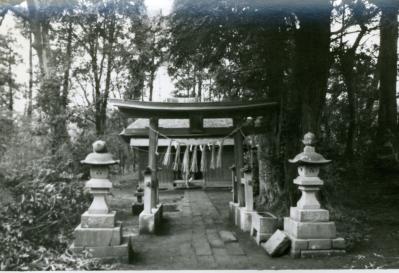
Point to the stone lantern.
(309, 227)
(97, 230)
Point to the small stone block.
(98, 220)
(227, 236)
(146, 223)
(137, 208)
(267, 223)
(96, 237)
(232, 208)
(298, 244)
(316, 244)
(338, 243)
(277, 244)
(309, 230)
(237, 215)
(245, 219)
(309, 215)
(321, 253)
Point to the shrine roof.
(145, 109)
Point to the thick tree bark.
(387, 65)
(312, 54)
(304, 104)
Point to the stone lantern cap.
(100, 155)
(309, 155)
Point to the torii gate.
(151, 216)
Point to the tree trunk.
(10, 83)
(151, 84)
(312, 63)
(303, 105)
(387, 65)
(30, 87)
(199, 87)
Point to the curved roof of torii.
(146, 109)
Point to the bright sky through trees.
(162, 85)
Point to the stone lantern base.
(99, 234)
(312, 233)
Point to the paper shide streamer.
(204, 161)
(219, 157)
(194, 160)
(212, 165)
(176, 163)
(168, 154)
(186, 161)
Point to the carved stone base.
(97, 236)
(150, 222)
(312, 233)
(123, 252)
(107, 220)
(245, 219)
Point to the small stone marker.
(227, 236)
(277, 244)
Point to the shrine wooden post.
(238, 154)
(152, 158)
(151, 216)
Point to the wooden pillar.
(148, 191)
(234, 183)
(238, 155)
(152, 159)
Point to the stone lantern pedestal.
(98, 231)
(309, 226)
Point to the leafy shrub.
(36, 230)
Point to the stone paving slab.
(207, 261)
(195, 237)
(234, 249)
(214, 239)
(227, 236)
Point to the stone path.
(190, 238)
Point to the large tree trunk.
(271, 172)
(312, 54)
(304, 104)
(387, 65)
